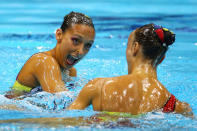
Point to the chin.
(68, 66)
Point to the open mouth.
(71, 60)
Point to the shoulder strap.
(170, 104)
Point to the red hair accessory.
(160, 34)
(159, 31)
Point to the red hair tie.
(160, 34)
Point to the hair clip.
(164, 44)
(87, 16)
(165, 29)
(160, 34)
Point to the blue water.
(27, 27)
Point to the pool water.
(27, 27)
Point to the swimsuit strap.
(19, 87)
(170, 104)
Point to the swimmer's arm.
(85, 97)
(49, 76)
(183, 108)
(72, 72)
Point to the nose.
(80, 50)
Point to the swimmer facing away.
(48, 69)
(140, 91)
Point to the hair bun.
(169, 37)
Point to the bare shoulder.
(95, 83)
(35, 65)
(42, 57)
(42, 60)
(94, 86)
(162, 88)
(180, 107)
(37, 60)
(95, 80)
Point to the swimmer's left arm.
(183, 108)
(85, 97)
(73, 72)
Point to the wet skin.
(137, 93)
(44, 69)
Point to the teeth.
(71, 59)
(75, 57)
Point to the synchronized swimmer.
(48, 69)
(140, 91)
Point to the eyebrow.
(78, 36)
(92, 41)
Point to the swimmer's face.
(75, 43)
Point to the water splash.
(44, 101)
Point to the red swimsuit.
(170, 104)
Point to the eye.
(88, 45)
(76, 41)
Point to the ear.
(136, 47)
(162, 59)
(58, 35)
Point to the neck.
(54, 53)
(144, 68)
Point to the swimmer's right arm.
(48, 75)
(183, 108)
(85, 97)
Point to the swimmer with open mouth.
(45, 69)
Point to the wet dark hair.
(154, 40)
(76, 18)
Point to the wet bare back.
(129, 93)
(132, 94)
